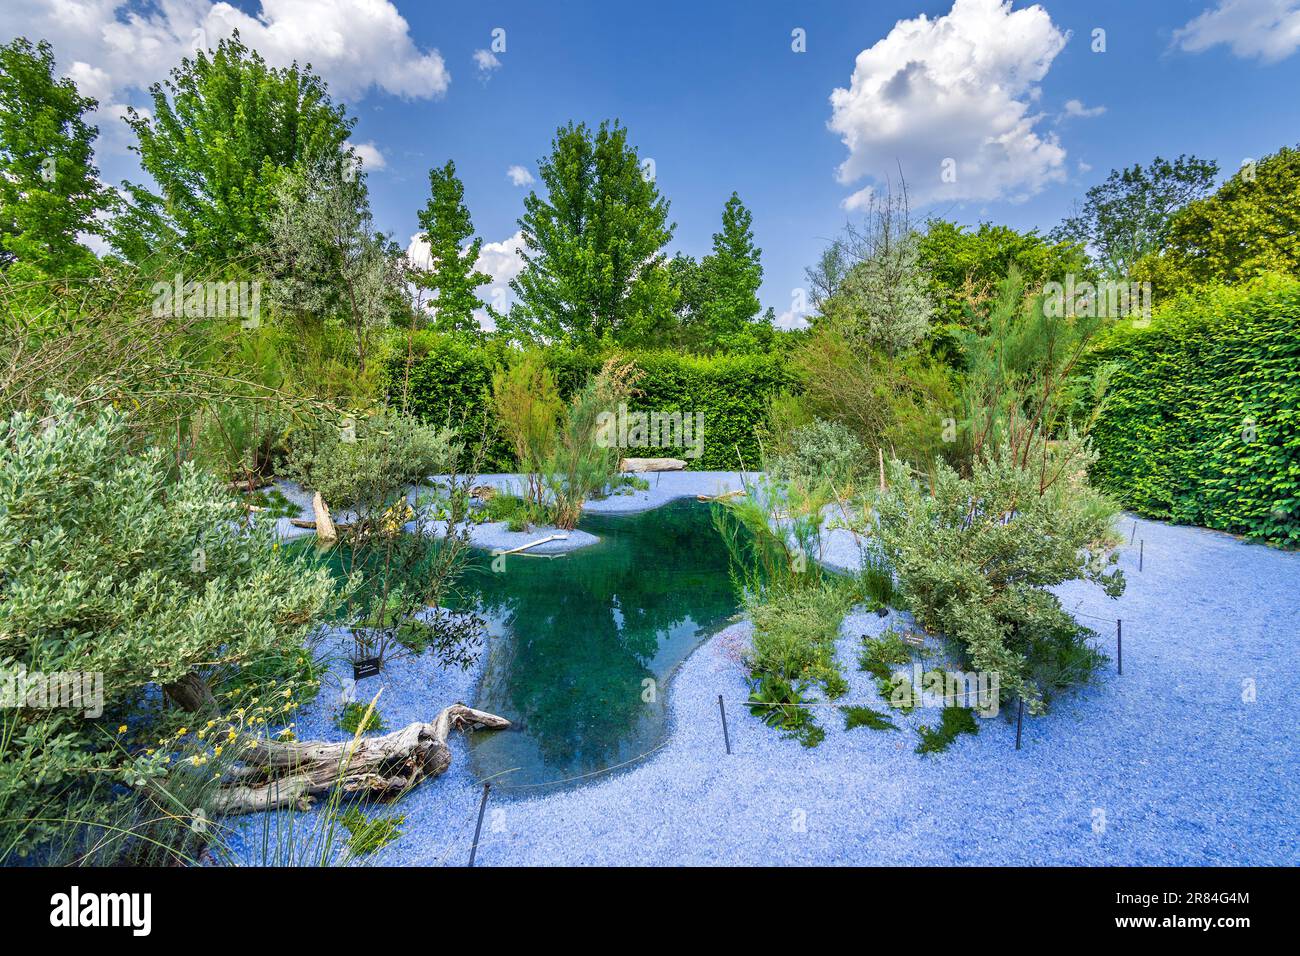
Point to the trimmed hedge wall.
(1202, 422)
(732, 391)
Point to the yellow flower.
(122, 729)
(182, 732)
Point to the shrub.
(579, 464)
(1201, 424)
(113, 562)
(975, 558)
(528, 406)
(367, 465)
(369, 834)
(820, 451)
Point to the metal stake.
(1141, 548)
(726, 738)
(478, 828)
(1020, 716)
(1119, 643)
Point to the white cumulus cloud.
(486, 61)
(1265, 29)
(954, 93)
(519, 176)
(1074, 109)
(369, 154)
(110, 46)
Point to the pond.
(580, 647)
(583, 645)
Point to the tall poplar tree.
(453, 250)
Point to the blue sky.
(715, 94)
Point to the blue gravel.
(1167, 764)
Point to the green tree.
(49, 186)
(593, 247)
(324, 256)
(728, 281)
(224, 130)
(966, 265)
(453, 250)
(1251, 226)
(1129, 215)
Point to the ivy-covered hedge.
(454, 376)
(1202, 422)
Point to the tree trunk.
(190, 693)
(281, 774)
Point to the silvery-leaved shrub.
(976, 555)
(112, 561)
(820, 451)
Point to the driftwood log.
(282, 774)
(324, 522)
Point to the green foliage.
(453, 250)
(879, 655)
(580, 463)
(876, 579)
(952, 721)
(965, 267)
(49, 186)
(819, 451)
(778, 702)
(368, 464)
(718, 297)
(1249, 227)
(859, 716)
(358, 718)
(594, 271)
(115, 563)
(793, 645)
(731, 391)
(528, 407)
(976, 556)
(1202, 420)
(1130, 215)
(324, 256)
(889, 402)
(369, 834)
(871, 286)
(218, 136)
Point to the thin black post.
(1133, 533)
(726, 738)
(478, 828)
(1119, 643)
(1020, 716)
(1141, 548)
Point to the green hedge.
(1202, 422)
(454, 376)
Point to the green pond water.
(582, 646)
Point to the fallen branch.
(290, 773)
(532, 544)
